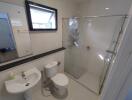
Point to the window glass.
(42, 17)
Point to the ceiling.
(80, 1)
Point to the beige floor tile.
(76, 92)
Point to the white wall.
(54, 39)
(126, 90)
(97, 7)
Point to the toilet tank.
(51, 69)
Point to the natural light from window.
(42, 18)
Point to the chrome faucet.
(23, 75)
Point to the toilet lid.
(60, 79)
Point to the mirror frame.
(27, 5)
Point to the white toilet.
(60, 80)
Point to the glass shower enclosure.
(91, 45)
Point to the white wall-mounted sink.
(21, 84)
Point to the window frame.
(30, 24)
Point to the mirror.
(7, 44)
(14, 35)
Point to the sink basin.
(20, 84)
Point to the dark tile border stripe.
(16, 63)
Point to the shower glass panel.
(99, 39)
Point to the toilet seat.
(60, 80)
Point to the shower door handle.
(111, 52)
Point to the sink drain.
(27, 84)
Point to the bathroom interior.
(65, 49)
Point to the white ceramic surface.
(19, 84)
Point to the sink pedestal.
(28, 95)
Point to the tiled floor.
(76, 92)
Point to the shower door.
(99, 38)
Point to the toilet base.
(59, 94)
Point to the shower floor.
(88, 81)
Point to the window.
(41, 17)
